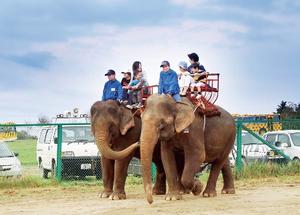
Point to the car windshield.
(296, 138)
(4, 151)
(247, 138)
(77, 134)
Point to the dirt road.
(266, 197)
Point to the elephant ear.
(184, 116)
(126, 120)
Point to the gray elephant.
(117, 132)
(166, 120)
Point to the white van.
(80, 156)
(287, 140)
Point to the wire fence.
(68, 150)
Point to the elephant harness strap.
(204, 107)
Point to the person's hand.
(169, 95)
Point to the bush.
(262, 170)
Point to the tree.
(288, 110)
(43, 119)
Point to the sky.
(54, 54)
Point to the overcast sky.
(54, 54)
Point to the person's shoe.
(129, 107)
(186, 130)
(138, 106)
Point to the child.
(168, 82)
(194, 58)
(135, 91)
(184, 78)
(199, 77)
(125, 82)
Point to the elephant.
(201, 140)
(117, 132)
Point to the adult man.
(112, 88)
(168, 82)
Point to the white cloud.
(189, 3)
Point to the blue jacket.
(168, 83)
(112, 90)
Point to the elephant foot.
(104, 194)
(197, 188)
(209, 193)
(159, 191)
(183, 190)
(117, 196)
(228, 191)
(173, 196)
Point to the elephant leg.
(108, 177)
(169, 163)
(194, 157)
(121, 167)
(160, 183)
(180, 166)
(210, 190)
(228, 187)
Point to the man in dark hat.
(112, 88)
(194, 59)
(168, 82)
(125, 83)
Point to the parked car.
(80, 155)
(10, 165)
(287, 140)
(253, 150)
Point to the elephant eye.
(162, 125)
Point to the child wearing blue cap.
(184, 78)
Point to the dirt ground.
(269, 196)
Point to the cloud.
(39, 60)
(190, 3)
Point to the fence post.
(58, 156)
(239, 163)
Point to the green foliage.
(288, 110)
(23, 135)
(26, 149)
(261, 170)
(25, 182)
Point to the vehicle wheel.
(244, 161)
(43, 172)
(53, 169)
(262, 131)
(98, 174)
(296, 159)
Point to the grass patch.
(25, 182)
(26, 149)
(262, 170)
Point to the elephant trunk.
(149, 137)
(102, 140)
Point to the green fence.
(32, 139)
(29, 136)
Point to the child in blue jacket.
(168, 82)
(112, 88)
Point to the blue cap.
(183, 65)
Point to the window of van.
(48, 136)
(271, 138)
(42, 136)
(283, 138)
(296, 138)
